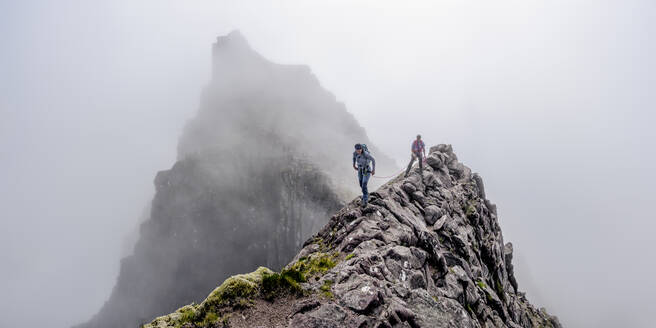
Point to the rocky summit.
(426, 252)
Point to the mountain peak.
(232, 53)
(233, 39)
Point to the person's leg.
(412, 160)
(365, 191)
(360, 177)
(421, 165)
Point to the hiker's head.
(358, 148)
(419, 137)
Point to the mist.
(551, 102)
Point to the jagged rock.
(433, 213)
(305, 306)
(440, 222)
(393, 269)
(325, 316)
(508, 255)
(479, 184)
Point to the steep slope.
(425, 253)
(256, 175)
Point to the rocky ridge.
(428, 251)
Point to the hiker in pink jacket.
(418, 152)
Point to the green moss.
(242, 286)
(470, 310)
(470, 209)
(287, 281)
(270, 285)
(317, 263)
(350, 256)
(481, 284)
(225, 320)
(243, 303)
(290, 278)
(326, 289)
(322, 245)
(499, 289)
(188, 316)
(292, 275)
(187, 313)
(210, 318)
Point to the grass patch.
(350, 256)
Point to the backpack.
(364, 148)
(417, 146)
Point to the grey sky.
(551, 101)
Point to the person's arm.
(373, 164)
(354, 167)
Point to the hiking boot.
(364, 204)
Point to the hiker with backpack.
(361, 159)
(418, 151)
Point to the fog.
(551, 102)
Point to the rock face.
(427, 252)
(258, 172)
